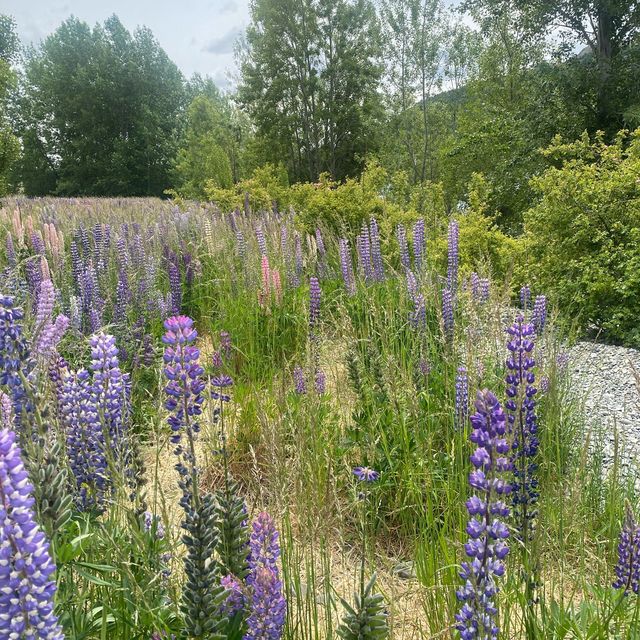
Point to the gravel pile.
(603, 377)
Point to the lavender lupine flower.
(418, 317)
(11, 251)
(298, 260)
(347, 267)
(475, 286)
(6, 411)
(628, 567)
(241, 244)
(486, 547)
(320, 382)
(298, 379)
(452, 256)
(363, 245)
(51, 336)
(447, 313)
(176, 287)
(462, 398)
(264, 544)
(562, 361)
(260, 237)
(37, 243)
(46, 300)
(320, 243)
(376, 251)
(523, 427)
(314, 303)
(123, 296)
(525, 297)
(401, 235)
(484, 290)
(34, 276)
(235, 600)
(268, 608)
(26, 571)
(419, 245)
(84, 438)
(153, 524)
(545, 384)
(225, 344)
(539, 316)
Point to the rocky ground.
(606, 379)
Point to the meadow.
(218, 425)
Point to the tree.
(100, 111)
(310, 77)
(9, 146)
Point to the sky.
(198, 35)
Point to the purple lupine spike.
(628, 566)
(34, 276)
(462, 398)
(189, 270)
(298, 266)
(110, 388)
(46, 300)
(241, 245)
(484, 290)
(95, 318)
(376, 251)
(320, 382)
(84, 438)
(123, 254)
(539, 316)
(123, 296)
(314, 303)
(401, 235)
(264, 544)
(419, 245)
(225, 344)
(37, 243)
(97, 246)
(418, 316)
(175, 285)
(347, 267)
(320, 243)
(235, 600)
(523, 425)
(6, 411)
(363, 245)
(153, 524)
(51, 335)
(486, 548)
(525, 297)
(452, 256)
(262, 241)
(475, 286)
(12, 259)
(298, 379)
(76, 266)
(447, 314)
(285, 251)
(267, 607)
(84, 239)
(26, 571)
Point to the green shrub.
(582, 238)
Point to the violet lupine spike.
(26, 571)
(320, 243)
(320, 382)
(376, 251)
(6, 411)
(85, 443)
(298, 266)
(419, 244)
(314, 303)
(51, 335)
(11, 251)
(264, 544)
(235, 600)
(486, 548)
(475, 286)
(628, 566)
(484, 290)
(37, 243)
(175, 286)
(46, 300)
(346, 267)
(77, 268)
(363, 245)
(299, 381)
(462, 398)
(447, 314)
(539, 316)
(267, 607)
(418, 316)
(401, 235)
(525, 297)
(452, 256)
(523, 425)
(262, 241)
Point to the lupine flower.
(11, 251)
(6, 411)
(298, 266)
(523, 426)
(298, 379)
(264, 543)
(484, 290)
(363, 245)
(475, 286)
(462, 398)
(525, 297)
(539, 316)
(401, 235)
(447, 313)
(225, 344)
(320, 243)
(46, 300)
(26, 571)
(366, 474)
(314, 303)
(235, 600)
(562, 361)
(260, 237)
(628, 567)
(486, 547)
(376, 251)
(418, 317)
(266, 279)
(51, 336)
(545, 384)
(176, 288)
(452, 256)
(320, 381)
(153, 524)
(347, 267)
(424, 366)
(268, 608)
(419, 245)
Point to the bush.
(582, 238)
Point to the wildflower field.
(218, 425)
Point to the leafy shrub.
(582, 238)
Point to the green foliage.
(9, 144)
(367, 619)
(582, 236)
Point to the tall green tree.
(310, 79)
(9, 146)
(101, 112)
